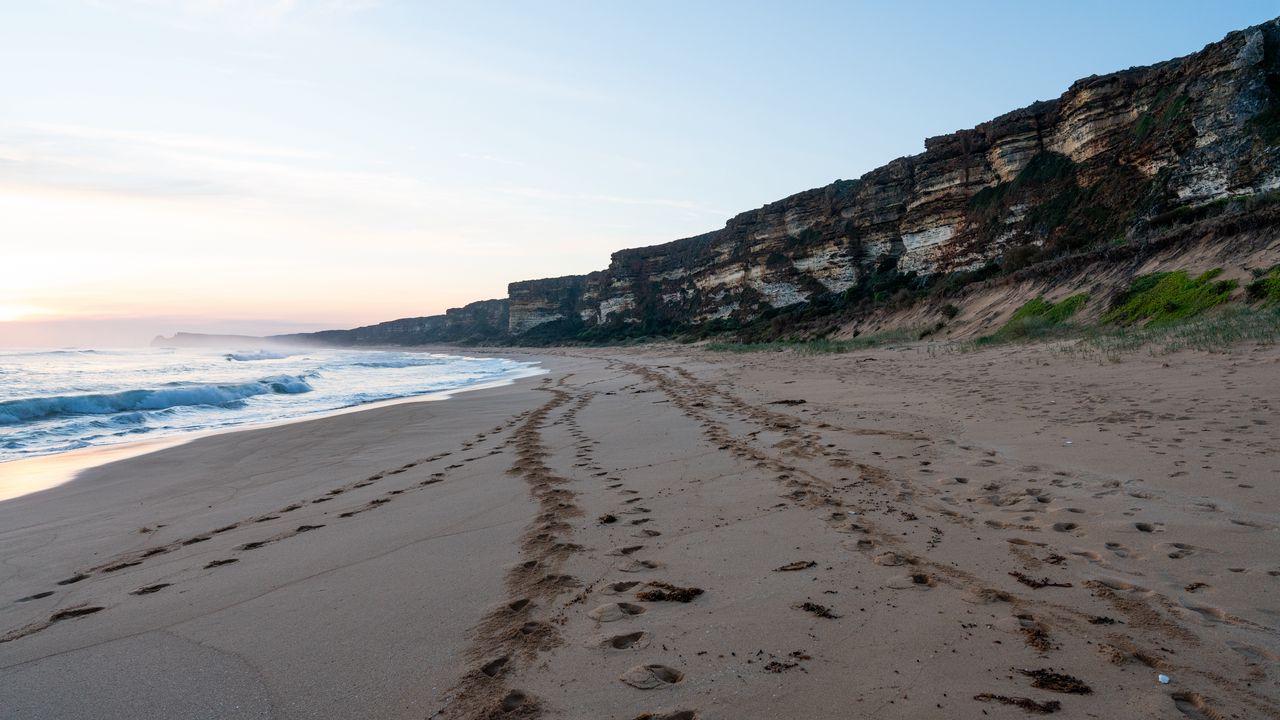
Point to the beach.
(668, 532)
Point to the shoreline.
(23, 476)
(689, 534)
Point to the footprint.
(612, 612)
(1176, 551)
(1253, 652)
(1118, 550)
(517, 703)
(1192, 705)
(1210, 614)
(648, 677)
(37, 596)
(626, 550)
(890, 559)
(494, 667)
(66, 614)
(674, 715)
(150, 589)
(618, 588)
(219, 563)
(630, 641)
(636, 566)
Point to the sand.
(672, 533)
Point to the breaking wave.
(13, 412)
(260, 355)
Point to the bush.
(1015, 258)
(1168, 296)
(1038, 317)
(1266, 289)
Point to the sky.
(261, 166)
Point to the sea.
(54, 401)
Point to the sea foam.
(54, 401)
(13, 412)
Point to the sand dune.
(670, 533)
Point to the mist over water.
(53, 401)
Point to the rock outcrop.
(1112, 157)
(476, 322)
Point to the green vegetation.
(1268, 125)
(1164, 112)
(1042, 310)
(1037, 318)
(1168, 296)
(1218, 330)
(1186, 214)
(1266, 288)
(1044, 168)
(1267, 122)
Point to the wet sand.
(672, 533)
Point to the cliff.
(475, 322)
(1116, 160)
(485, 320)
(1112, 158)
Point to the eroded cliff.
(1112, 158)
(480, 321)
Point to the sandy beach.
(667, 532)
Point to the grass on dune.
(1168, 296)
(1216, 331)
(1038, 318)
(1266, 288)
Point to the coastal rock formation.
(1115, 161)
(1113, 156)
(481, 321)
(477, 321)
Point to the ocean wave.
(13, 412)
(259, 355)
(396, 363)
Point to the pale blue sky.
(337, 162)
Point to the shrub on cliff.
(1037, 317)
(1266, 288)
(1167, 296)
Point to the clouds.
(112, 223)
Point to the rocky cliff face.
(1110, 158)
(478, 321)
